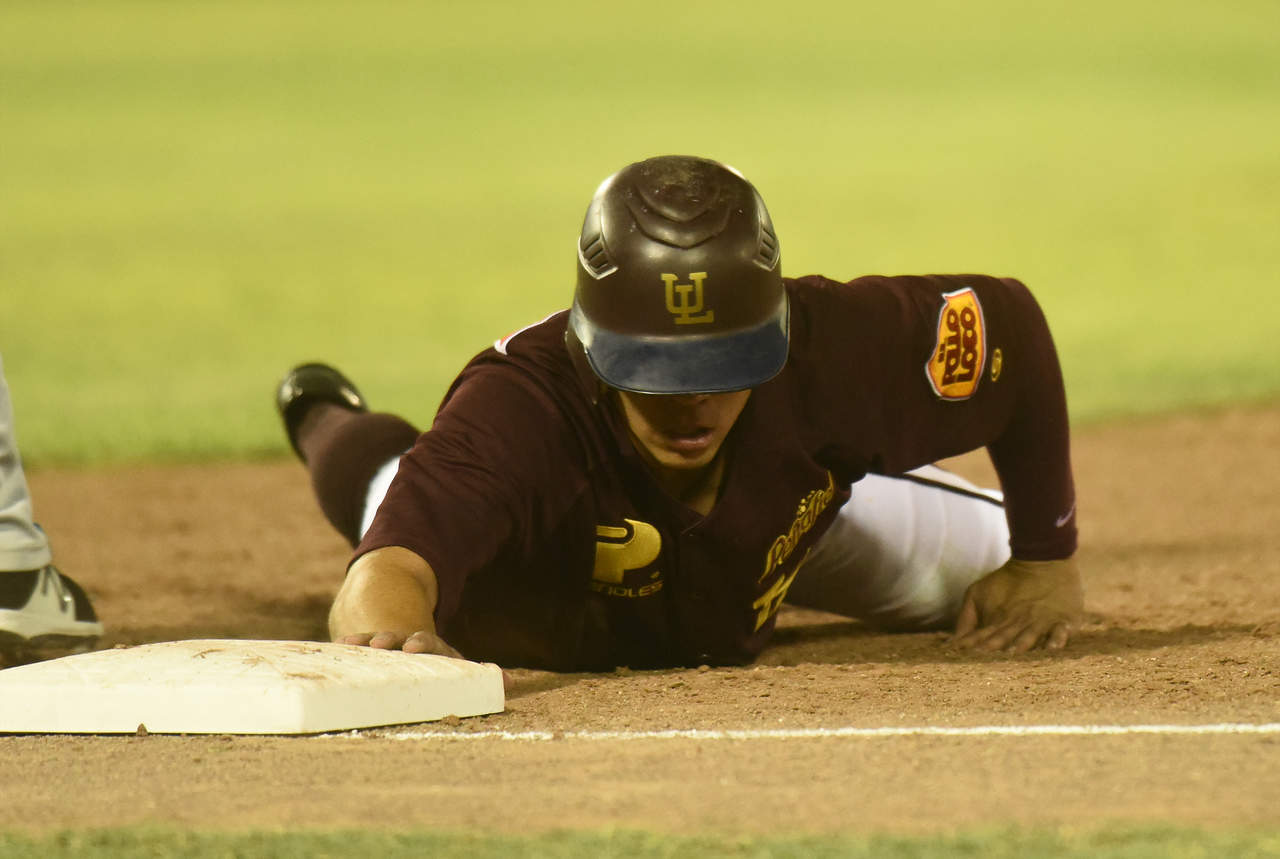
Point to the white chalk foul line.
(824, 733)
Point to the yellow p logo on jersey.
(633, 546)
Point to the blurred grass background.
(196, 196)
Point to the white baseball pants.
(23, 546)
(903, 550)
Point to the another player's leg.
(903, 550)
(40, 609)
(347, 449)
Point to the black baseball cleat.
(308, 384)
(45, 610)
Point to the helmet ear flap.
(581, 366)
(770, 254)
(593, 253)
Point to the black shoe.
(308, 384)
(43, 609)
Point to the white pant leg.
(378, 487)
(902, 552)
(23, 546)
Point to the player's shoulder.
(543, 334)
(869, 297)
(827, 301)
(522, 386)
(870, 285)
(875, 312)
(535, 353)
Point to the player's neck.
(696, 488)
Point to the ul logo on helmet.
(684, 300)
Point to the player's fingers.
(427, 642)
(999, 638)
(967, 621)
(973, 638)
(1058, 636)
(999, 634)
(988, 625)
(979, 639)
(386, 641)
(1017, 635)
(361, 639)
(1028, 638)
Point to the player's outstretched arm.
(1021, 606)
(388, 601)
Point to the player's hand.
(422, 641)
(1021, 606)
(393, 592)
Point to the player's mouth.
(688, 442)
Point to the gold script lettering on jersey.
(685, 301)
(955, 366)
(623, 549)
(807, 512)
(768, 603)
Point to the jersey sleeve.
(916, 369)
(474, 488)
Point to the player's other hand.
(1022, 606)
(422, 641)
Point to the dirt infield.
(1181, 551)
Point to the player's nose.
(689, 405)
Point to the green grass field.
(195, 196)
(1148, 843)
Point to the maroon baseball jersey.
(554, 546)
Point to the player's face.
(681, 431)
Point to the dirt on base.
(1180, 544)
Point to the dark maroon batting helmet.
(679, 281)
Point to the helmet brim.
(683, 364)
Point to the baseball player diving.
(645, 478)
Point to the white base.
(242, 687)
